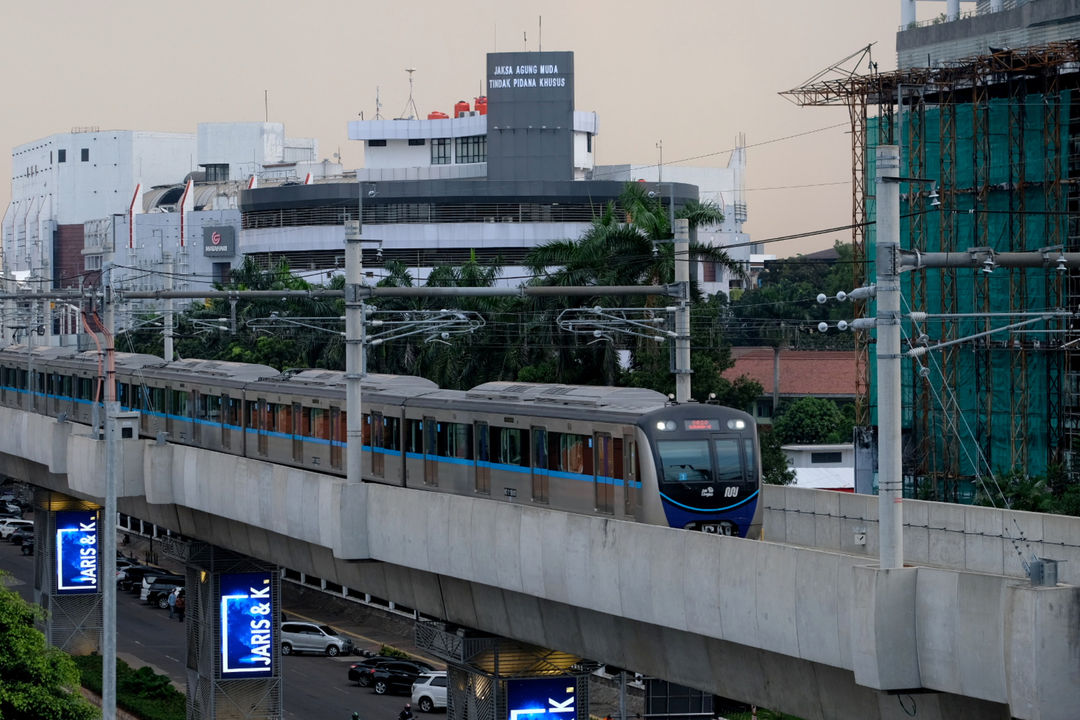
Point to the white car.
(429, 691)
(11, 525)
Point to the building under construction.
(990, 148)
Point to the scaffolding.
(1000, 134)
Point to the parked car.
(149, 581)
(361, 672)
(429, 691)
(397, 676)
(298, 637)
(20, 534)
(28, 546)
(134, 574)
(10, 510)
(9, 526)
(158, 594)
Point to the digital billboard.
(77, 552)
(247, 625)
(542, 699)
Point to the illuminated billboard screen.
(77, 551)
(247, 625)
(542, 699)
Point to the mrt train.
(626, 453)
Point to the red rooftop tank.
(437, 115)
(461, 107)
(481, 105)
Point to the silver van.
(297, 637)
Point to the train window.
(750, 475)
(283, 419)
(512, 446)
(365, 430)
(65, 386)
(213, 407)
(455, 440)
(728, 462)
(86, 391)
(269, 416)
(232, 410)
(179, 406)
(122, 395)
(685, 461)
(431, 448)
(253, 414)
(631, 494)
(483, 455)
(319, 425)
(335, 448)
(341, 428)
(539, 448)
(413, 440)
(391, 433)
(571, 453)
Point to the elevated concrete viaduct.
(803, 622)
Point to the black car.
(18, 536)
(397, 676)
(134, 574)
(28, 546)
(360, 672)
(158, 595)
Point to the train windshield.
(686, 461)
(728, 464)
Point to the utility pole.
(168, 309)
(354, 349)
(890, 470)
(682, 315)
(107, 532)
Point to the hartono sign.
(530, 120)
(219, 242)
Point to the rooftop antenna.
(525, 38)
(378, 104)
(410, 104)
(540, 40)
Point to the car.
(149, 581)
(10, 510)
(361, 672)
(397, 676)
(158, 595)
(134, 574)
(298, 637)
(28, 546)
(20, 534)
(10, 525)
(429, 691)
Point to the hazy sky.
(693, 73)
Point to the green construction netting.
(993, 403)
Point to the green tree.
(36, 681)
(810, 421)
(775, 469)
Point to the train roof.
(596, 396)
(333, 381)
(214, 371)
(67, 356)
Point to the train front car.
(706, 467)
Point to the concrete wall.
(958, 537)
(809, 631)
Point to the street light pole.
(354, 349)
(107, 532)
(682, 316)
(890, 466)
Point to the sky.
(694, 74)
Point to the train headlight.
(665, 425)
(736, 424)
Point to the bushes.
(141, 692)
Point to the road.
(316, 687)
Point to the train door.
(378, 459)
(431, 451)
(482, 441)
(227, 419)
(603, 484)
(262, 420)
(631, 492)
(198, 414)
(336, 438)
(540, 490)
(297, 431)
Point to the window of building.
(440, 151)
(416, 142)
(61, 156)
(217, 172)
(471, 149)
(588, 142)
(764, 408)
(822, 458)
(376, 143)
(85, 152)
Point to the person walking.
(406, 713)
(181, 605)
(172, 602)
